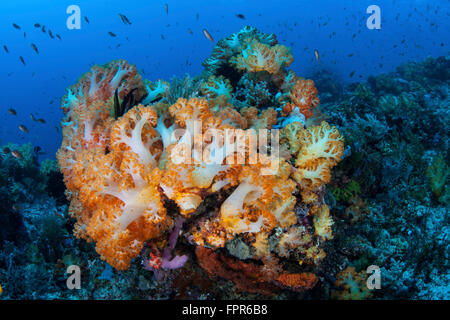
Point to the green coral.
(27, 161)
(48, 166)
(363, 96)
(437, 174)
(346, 193)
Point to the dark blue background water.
(303, 25)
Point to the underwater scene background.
(94, 93)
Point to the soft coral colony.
(126, 189)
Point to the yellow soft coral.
(261, 57)
(322, 222)
(261, 245)
(290, 134)
(320, 149)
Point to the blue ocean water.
(410, 30)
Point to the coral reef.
(391, 189)
(178, 197)
(129, 177)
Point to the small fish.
(16, 26)
(38, 150)
(16, 207)
(190, 31)
(162, 37)
(86, 19)
(37, 25)
(32, 117)
(35, 48)
(11, 111)
(50, 34)
(40, 120)
(6, 48)
(6, 150)
(196, 16)
(240, 16)
(43, 29)
(59, 214)
(316, 53)
(111, 34)
(124, 19)
(24, 35)
(208, 35)
(23, 128)
(16, 154)
(23, 61)
(166, 6)
(352, 74)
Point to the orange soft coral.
(88, 109)
(121, 205)
(259, 120)
(260, 201)
(210, 233)
(198, 157)
(100, 84)
(232, 117)
(303, 96)
(243, 210)
(134, 132)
